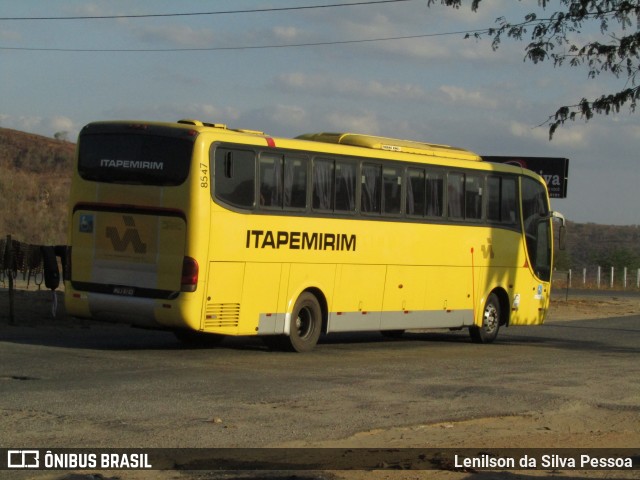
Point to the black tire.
(306, 323)
(392, 333)
(196, 339)
(491, 320)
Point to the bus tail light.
(190, 270)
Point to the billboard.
(555, 171)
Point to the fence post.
(611, 277)
(624, 278)
(598, 276)
(584, 276)
(8, 263)
(638, 279)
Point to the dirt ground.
(579, 425)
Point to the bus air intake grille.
(220, 315)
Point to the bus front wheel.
(488, 332)
(306, 323)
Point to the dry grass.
(34, 187)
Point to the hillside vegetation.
(34, 187)
(35, 182)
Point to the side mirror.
(562, 231)
(562, 237)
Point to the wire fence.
(599, 277)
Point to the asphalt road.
(100, 385)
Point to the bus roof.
(349, 140)
(365, 141)
(391, 145)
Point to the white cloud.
(286, 33)
(331, 85)
(27, 123)
(211, 113)
(46, 126)
(468, 98)
(61, 124)
(167, 112)
(276, 119)
(564, 137)
(180, 35)
(365, 122)
(9, 35)
(89, 9)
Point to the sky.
(241, 70)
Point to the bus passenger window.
(370, 194)
(416, 192)
(435, 192)
(392, 182)
(295, 183)
(234, 176)
(334, 185)
(509, 205)
(501, 200)
(345, 186)
(455, 197)
(323, 184)
(271, 181)
(473, 197)
(493, 199)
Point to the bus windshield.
(132, 158)
(537, 228)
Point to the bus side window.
(370, 195)
(392, 190)
(494, 204)
(455, 195)
(416, 192)
(234, 176)
(501, 200)
(334, 185)
(435, 192)
(345, 186)
(271, 187)
(509, 204)
(323, 171)
(295, 182)
(473, 197)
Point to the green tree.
(61, 136)
(619, 258)
(554, 38)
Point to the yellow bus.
(210, 231)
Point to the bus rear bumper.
(140, 312)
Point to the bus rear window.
(134, 158)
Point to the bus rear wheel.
(491, 320)
(306, 323)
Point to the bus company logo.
(300, 240)
(23, 459)
(132, 164)
(131, 237)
